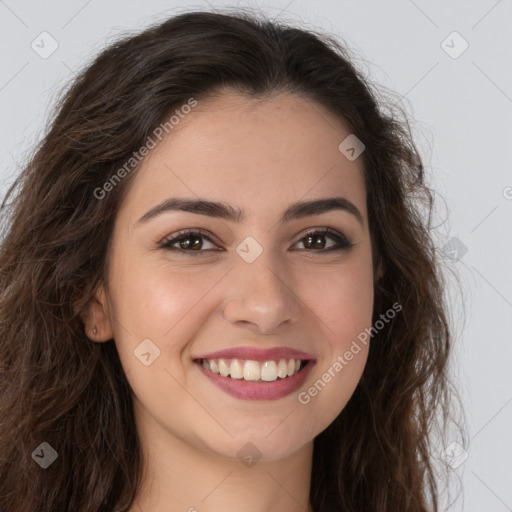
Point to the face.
(258, 289)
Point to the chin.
(265, 442)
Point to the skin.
(260, 156)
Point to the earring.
(95, 330)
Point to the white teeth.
(291, 367)
(223, 368)
(214, 367)
(250, 370)
(282, 369)
(269, 371)
(236, 370)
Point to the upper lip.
(257, 354)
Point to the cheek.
(164, 304)
(344, 305)
(160, 304)
(153, 299)
(343, 301)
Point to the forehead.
(253, 153)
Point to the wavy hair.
(60, 388)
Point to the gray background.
(461, 110)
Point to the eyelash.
(342, 242)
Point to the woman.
(218, 289)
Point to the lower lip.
(259, 390)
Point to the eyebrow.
(228, 212)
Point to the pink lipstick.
(252, 373)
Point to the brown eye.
(187, 242)
(192, 242)
(315, 240)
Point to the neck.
(191, 479)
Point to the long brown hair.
(58, 387)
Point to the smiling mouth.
(254, 371)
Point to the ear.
(96, 317)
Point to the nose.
(261, 297)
